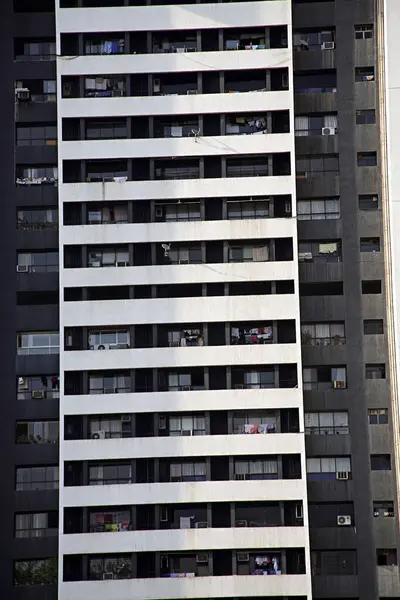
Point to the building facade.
(200, 249)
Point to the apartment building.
(200, 327)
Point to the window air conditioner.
(22, 268)
(159, 212)
(201, 525)
(243, 557)
(240, 476)
(328, 46)
(37, 394)
(187, 432)
(183, 261)
(328, 131)
(95, 263)
(190, 92)
(241, 523)
(202, 558)
(339, 385)
(303, 256)
(122, 263)
(342, 475)
(22, 94)
(126, 419)
(101, 347)
(156, 86)
(108, 576)
(185, 388)
(343, 520)
(288, 208)
(98, 435)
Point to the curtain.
(318, 210)
(188, 470)
(341, 419)
(270, 466)
(328, 465)
(120, 214)
(200, 469)
(338, 374)
(241, 467)
(256, 466)
(313, 465)
(343, 464)
(322, 331)
(311, 419)
(175, 470)
(301, 126)
(331, 121)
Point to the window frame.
(49, 482)
(326, 215)
(32, 531)
(381, 414)
(326, 429)
(366, 116)
(53, 346)
(363, 30)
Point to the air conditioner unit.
(187, 432)
(342, 475)
(156, 86)
(201, 525)
(240, 476)
(108, 576)
(159, 212)
(101, 347)
(202, 558)
(339, 385)
(22, 94)
(288, 208)
(328, 131)
(122, 263)
(328, 46)
(22, 268)
(110, 390)
(344, 520)
(126, 419)
(299, 512)
(183, 261)
(98, 435)
(239, 386)
(185, 388)
(243, 557)
(37, 394)
(241, 523)
(190, 92)
(95, 263)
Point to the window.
(46, 342)
(333, 562)
(107, 214)
(253, 209)
(36, 175)
(306, 166)
(110, 427)
(370, 245)
(375, 371)
(110, 474)
(378, 416)
(372, 286)
(258, 379)
(108, 339)
(254, 422)
(373, 327)
(187, 425)
(365, 74)
(185, 255)
(37, 432)
(252, 334)
(120, 567)
(386, 557)
(248, 167)
(368, 202)
(327, 467)
(185, 337)
(37, 262)
(109, 384)
(256, 469)
(37, 218)
(34, 525)
(315, 83)
(325, 514)
(326, 423)
(108, 257)
(178, 382)
(37, 135)
(365, 117)
(180, 211)
(323, 334)
(110, 520)
(318, 210)
(248, 253)
(35, 572)
(105, 46)
(318, 125)
(322, 252)
(324, 378)
(366, 159)
(380, 462)
(36, 478)
(106, 130)
(313, 40)
(101, 87)
(38, 387)
(383, 509)
(188, 471)
(49, 90)
(37, 50)
(363, 32)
